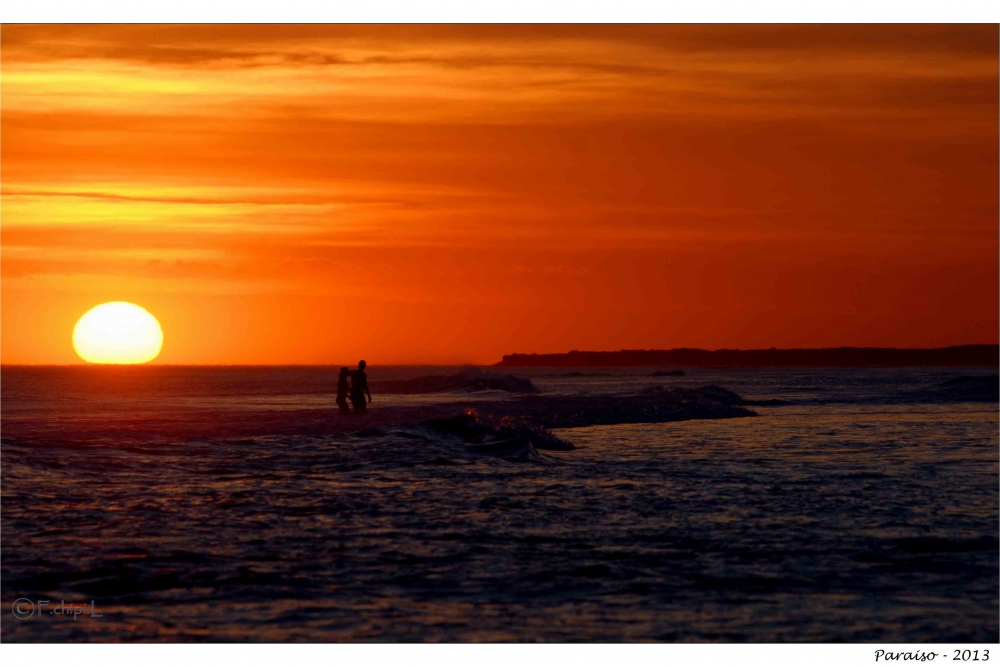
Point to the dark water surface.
(862, 510)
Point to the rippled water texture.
(848, 514)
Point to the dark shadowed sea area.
(235, 504)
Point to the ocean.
(235, 504)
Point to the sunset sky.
(317, 194)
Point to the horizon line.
(83, 364)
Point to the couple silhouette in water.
(357, 389)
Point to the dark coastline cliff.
(959, 355)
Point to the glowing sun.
(117, 332)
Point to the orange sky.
(316, 194)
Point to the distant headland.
(958, 355)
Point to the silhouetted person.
(359, 387)
(342, 390)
